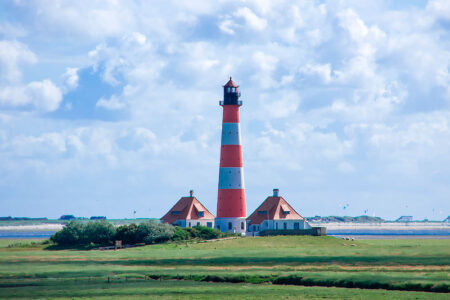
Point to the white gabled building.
(275, 213)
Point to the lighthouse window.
(233, 90)
(228, 89)
(242, 225)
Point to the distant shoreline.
(37, 227)
(396, 226)
(384, 226)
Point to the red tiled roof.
(231, 83)
(188, 208)
(275, 206)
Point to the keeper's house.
(189, 212)
(275, 214)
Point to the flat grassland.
(287, 267)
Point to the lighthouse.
(231, 210)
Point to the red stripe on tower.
(231, 210)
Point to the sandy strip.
(37, 227)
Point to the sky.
(111, 107)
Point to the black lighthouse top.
(231, 94)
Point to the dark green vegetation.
(272, 267)
(103, 233)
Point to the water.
(351, 233)
(8, 234)
(390, 234)
(392, 237)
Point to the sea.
(359, 234)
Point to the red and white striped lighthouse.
(231, 211)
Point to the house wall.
(238, 225)
(192, 223)
(278, 225)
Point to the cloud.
(71, 78)
(112, 103)
(227, 26)
(41, 95)
(339, 97)
(251, 19)
(440, 8)
(12, 55)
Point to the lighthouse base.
(236, 225)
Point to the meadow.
(245, 268)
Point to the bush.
(207, 233)
(199, 232)
(99, 233)
(127, 234)
(71, 235)
(180, 234)
(152, 233)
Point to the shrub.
(127, 234)
(207, 233)
(151, 233)
(71, 235)
(99, 232)
(180, 234)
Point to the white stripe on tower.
(231, 134)
(231, 178)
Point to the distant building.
(404, 219)
(67, 217)
(447, 220)
(189, 212)
(275, 213)
(98, 218)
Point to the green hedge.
(103, 233)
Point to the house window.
(201, 213)
(198, 223)
(296, 225)
(218, 227)
(189, 224)
(284, 225)
(276, 226)
(262, 212)
(230, 225)
(209, 224)
(175, 212)
(242, 225)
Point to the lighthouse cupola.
(231, 93)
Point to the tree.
(100, 232)
(71, 235)
(127, 234)
(151, 232)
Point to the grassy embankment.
(322, 261)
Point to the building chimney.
(191, 193)
(275, 192)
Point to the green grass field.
(312, 267)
